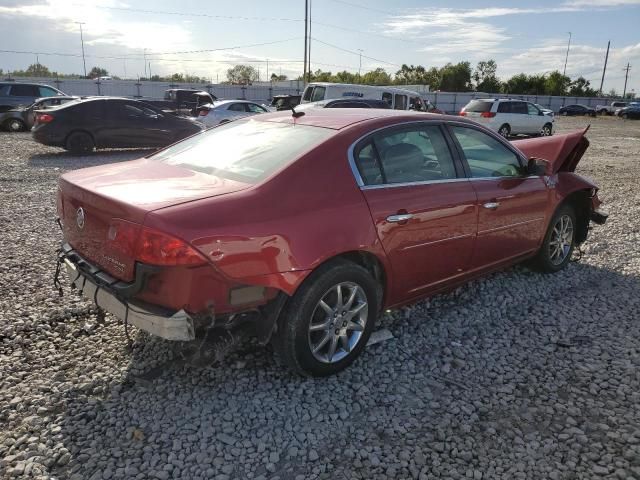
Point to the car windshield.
(245, 150)
(478, 106)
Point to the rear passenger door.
(24, 95)
(423, 208)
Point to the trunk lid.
(563, 151)
(91, 198)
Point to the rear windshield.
(244, 150)
(478, 106)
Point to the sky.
(205, 38)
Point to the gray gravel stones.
(518, 375)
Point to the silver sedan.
(226, 110)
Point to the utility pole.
(306, 33)
(124, 64)
(149, 70)
(144, 56)
(268, 79)
(564, 72)
(626, 77)
(84, 63)
(604, 70)
(309, 55)
(360, 64)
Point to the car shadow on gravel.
(65, 160)
(471, 363)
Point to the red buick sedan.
(307, 226)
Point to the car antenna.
(296, 114)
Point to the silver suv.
(14, 94)
(509, 117)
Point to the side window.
(318, 94)
(307, 94)
(134, 111)
(504, 107)
(47, 92)
(486, 156)
(18, 90)
(532, 109)
(387, 98)
(4, 90)
(401, 102)
(519, 107)
(237, 107)
(255, 108)
(416, 103)
(418, 154)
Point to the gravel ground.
(519, 375)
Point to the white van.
(397, 98)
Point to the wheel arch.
(80, 130)
(580, 201)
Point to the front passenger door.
(512, 205)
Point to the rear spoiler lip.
(563, 152)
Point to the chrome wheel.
(561, 240)
(338, 322)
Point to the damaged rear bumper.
(113, 296)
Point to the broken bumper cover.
(599, 216)
(114, 295)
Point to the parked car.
(632, 111)
(14, 94)
(509, 117)
(344, 103)
(610, 109)
(181, 98)
(306, 227)
(109, 122)
(224, 111)
(546, 111)
(573, 110)
(397, 98)
(285, 102)
(23, 118)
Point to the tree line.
(459, 77)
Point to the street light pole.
(84, 63)
(144, 55)
(566, 58)
(360, 64)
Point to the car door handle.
(402, 217)
(491, 205)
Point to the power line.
(356, 53)
(363, 7)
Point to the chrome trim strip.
(412, 184)
(505, 227)
(457, 237)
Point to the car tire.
(625, 116)
(15, 125)
(79, 143)
(504, 130)
(315, 337)
(547, 130)
(559, 241)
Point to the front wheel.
(547, 130)
(559, 242)
(327, 322)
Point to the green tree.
(278, 78)
(37, 70)
(377, 77)
(456, 78)
(486, 78)
(581, 87)
(98, 72)
(176, 77)
(557, 84)
(242, 74)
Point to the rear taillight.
(44, 118)
(203, 113)
(463, 113)
(150, 246)
(488, 114)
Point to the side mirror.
(540, 113)
(538, 166)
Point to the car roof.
(224, 102)
(339, 118)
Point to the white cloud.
(601, 3)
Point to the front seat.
(403, 162)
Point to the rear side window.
(504, 107)
(4, 90)
(401, 102)
(387, 98)
(417, 154)
(245, 150)
(318, 94)
(24, 91)
(486, 156)
(479, 106)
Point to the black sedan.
(632, 111)
(577, 110)
(23, 118)
(107, 122)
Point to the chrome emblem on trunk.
(80, 218)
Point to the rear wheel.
(559, 241)
(79, 143)
(625, 116)
(327, 322)
(547, 130)
(15, 125)
(505, 130)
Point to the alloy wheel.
(561, 240)
(15, 125)
(546, 131)
(338, 322)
